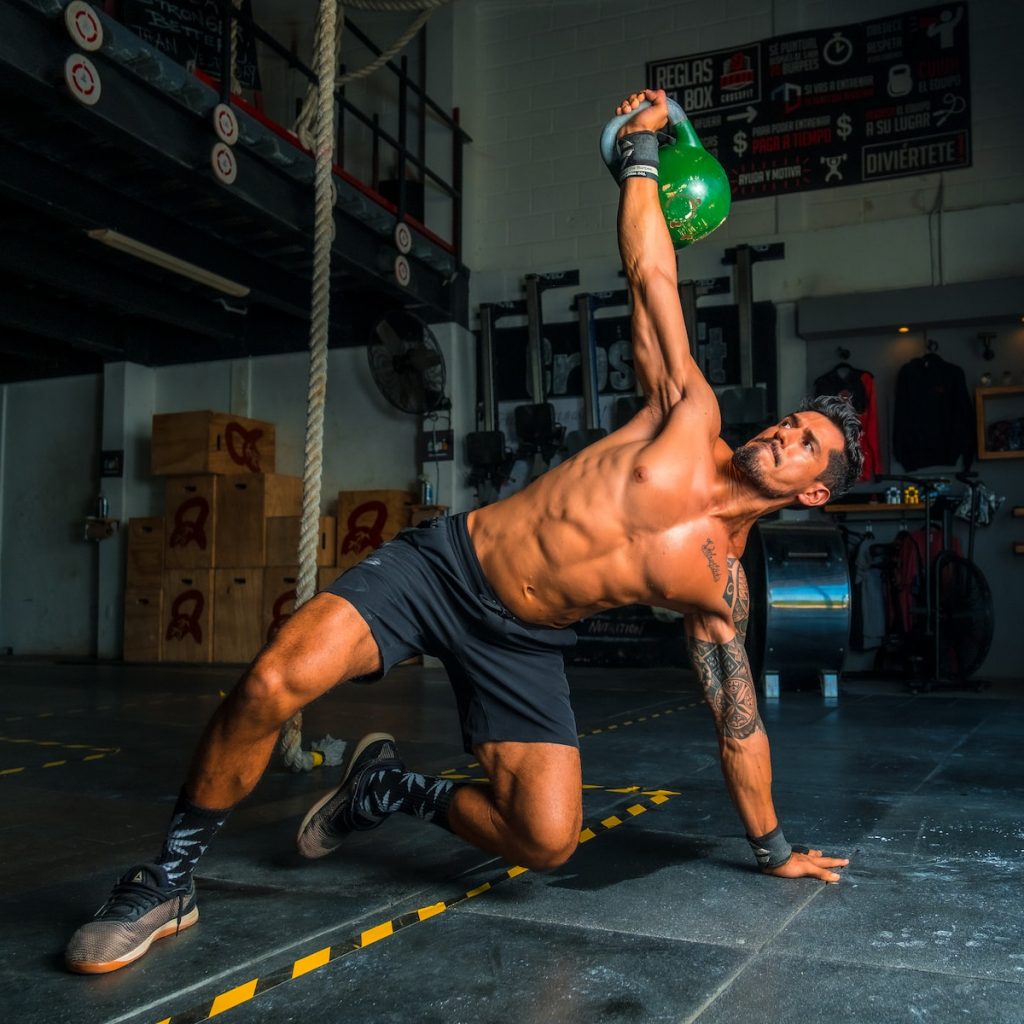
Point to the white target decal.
(224, 164)
(403, 237)
(403, 274)
(83, 25)
(82, 79)
(225, 124)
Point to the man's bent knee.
(546, 847)
(266, 692)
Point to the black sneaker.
(333, 816)
(141, 908)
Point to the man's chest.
(687, 566)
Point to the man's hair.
(844, 468)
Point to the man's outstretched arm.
(661, 353)
(715, 644)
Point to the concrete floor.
(658, 917)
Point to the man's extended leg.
(324, 643)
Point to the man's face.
(787, 460)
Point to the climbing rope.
(236, 86)
(318, 111)
(323, 234)
(307, 113)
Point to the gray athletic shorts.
(424, 592)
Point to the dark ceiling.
(138, 163)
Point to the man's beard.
(747, 459)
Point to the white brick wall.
(537, 80)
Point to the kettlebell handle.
(676, 115)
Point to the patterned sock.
(388, 790)
(189, 833)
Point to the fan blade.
(409, 393)
(422, 358)
(389, 338)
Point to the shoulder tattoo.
(728, 687)
(737, 596)
(708, 547)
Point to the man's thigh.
(325, 642)
(536, 785)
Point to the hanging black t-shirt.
(933, 421)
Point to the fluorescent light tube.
(159, 258)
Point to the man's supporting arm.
(716, 649)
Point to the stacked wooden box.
(201, 598)
(214, 579)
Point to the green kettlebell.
(692, 185)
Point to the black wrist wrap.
(771, 850)
(638, 155)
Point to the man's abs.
(599, 531)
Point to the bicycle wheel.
(966, 620)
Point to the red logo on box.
(190, 523)
(241, 445)
(365, 525)
(280, 616)
(184, 619)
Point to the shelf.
(875, 507)
(981, 396)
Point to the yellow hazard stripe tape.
(311, 962)
(155, 702)
(107, 752)
(329, 954)
(56, 743)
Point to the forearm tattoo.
(728, 687)
(737, 597)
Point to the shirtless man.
(657, 512)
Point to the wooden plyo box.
(190, 519)
(278, 600)
(237, 611)
(279, 595)
(424, 513)
(143, 622)
(145, 564)
(326, 575)
(366, 519)
(210, 442)
(244, 504)
(283, 540)
(187, 633)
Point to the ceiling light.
(159, 258)
(903, 330)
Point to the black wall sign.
(717, 344)
(838, 106)
(189, 31)
(112, 462)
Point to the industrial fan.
(406, 363)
